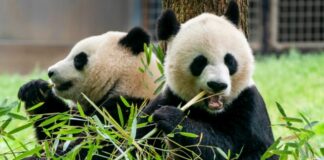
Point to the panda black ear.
(233, 13)
(167, 25)
(135, 40)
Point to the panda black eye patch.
(231, 63)
(80, 60)
(198, 65)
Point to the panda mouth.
(214, 101)
(64, 86)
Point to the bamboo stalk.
(152, 132)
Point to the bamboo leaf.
(159, 88)
(19, 106)
(293, 145)
(69, 131)
(160, 79)
(20, 128)
(53, 119)
(134, 127)
(159, 53)
(189, 135)
(29, 153)
(221, 152)
(150, 119)
(293, 128)
(130, 125)
(109, 118)
(4, 111)
(80, 109)
(281, 152)
(141, 125)
(143, 64)
(120, 115)
(268, 153)
(5, 124)
(148, 53)
(35, 106)
(66, 143)
(48, 153)
(13, 104)
(124, 101)
(307, 131)
(46, 131)
(179, 127)
(36, 117)
(112, 140)
(322, 151)
(56, 142)
(292, 119)
(281, 110)
(90, 152)
(141, 69)
(160, 67)
(310, 148)
(71, 138)
(11, 150)
(98, 122)
(309, 124)
(16, 116)
(304, 118)
(229, 153)
(312, 124)
(171, 135)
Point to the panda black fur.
(103, 67)
(209, 53)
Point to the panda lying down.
(209, 53)
(103, 67)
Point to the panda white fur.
(209, 53)
(103, 67)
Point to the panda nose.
(216, 86)
(50, 73)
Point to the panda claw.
(168, 118)
(34, 92)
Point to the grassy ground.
(295, 81)
(9, 85)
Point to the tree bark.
(186, 9)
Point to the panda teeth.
(214, 102)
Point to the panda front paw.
(168, 118)
(34, 92)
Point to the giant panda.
(208, 53)
(102, 67)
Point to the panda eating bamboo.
(209, 53)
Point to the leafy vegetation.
(297, 144)
(294, 80)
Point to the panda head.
(207, 53)
(103, 66)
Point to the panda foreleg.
(35, 92)
(171, 119)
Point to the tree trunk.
(186, 9)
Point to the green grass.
(295, 81)
(9, 86)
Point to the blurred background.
(38, 33)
